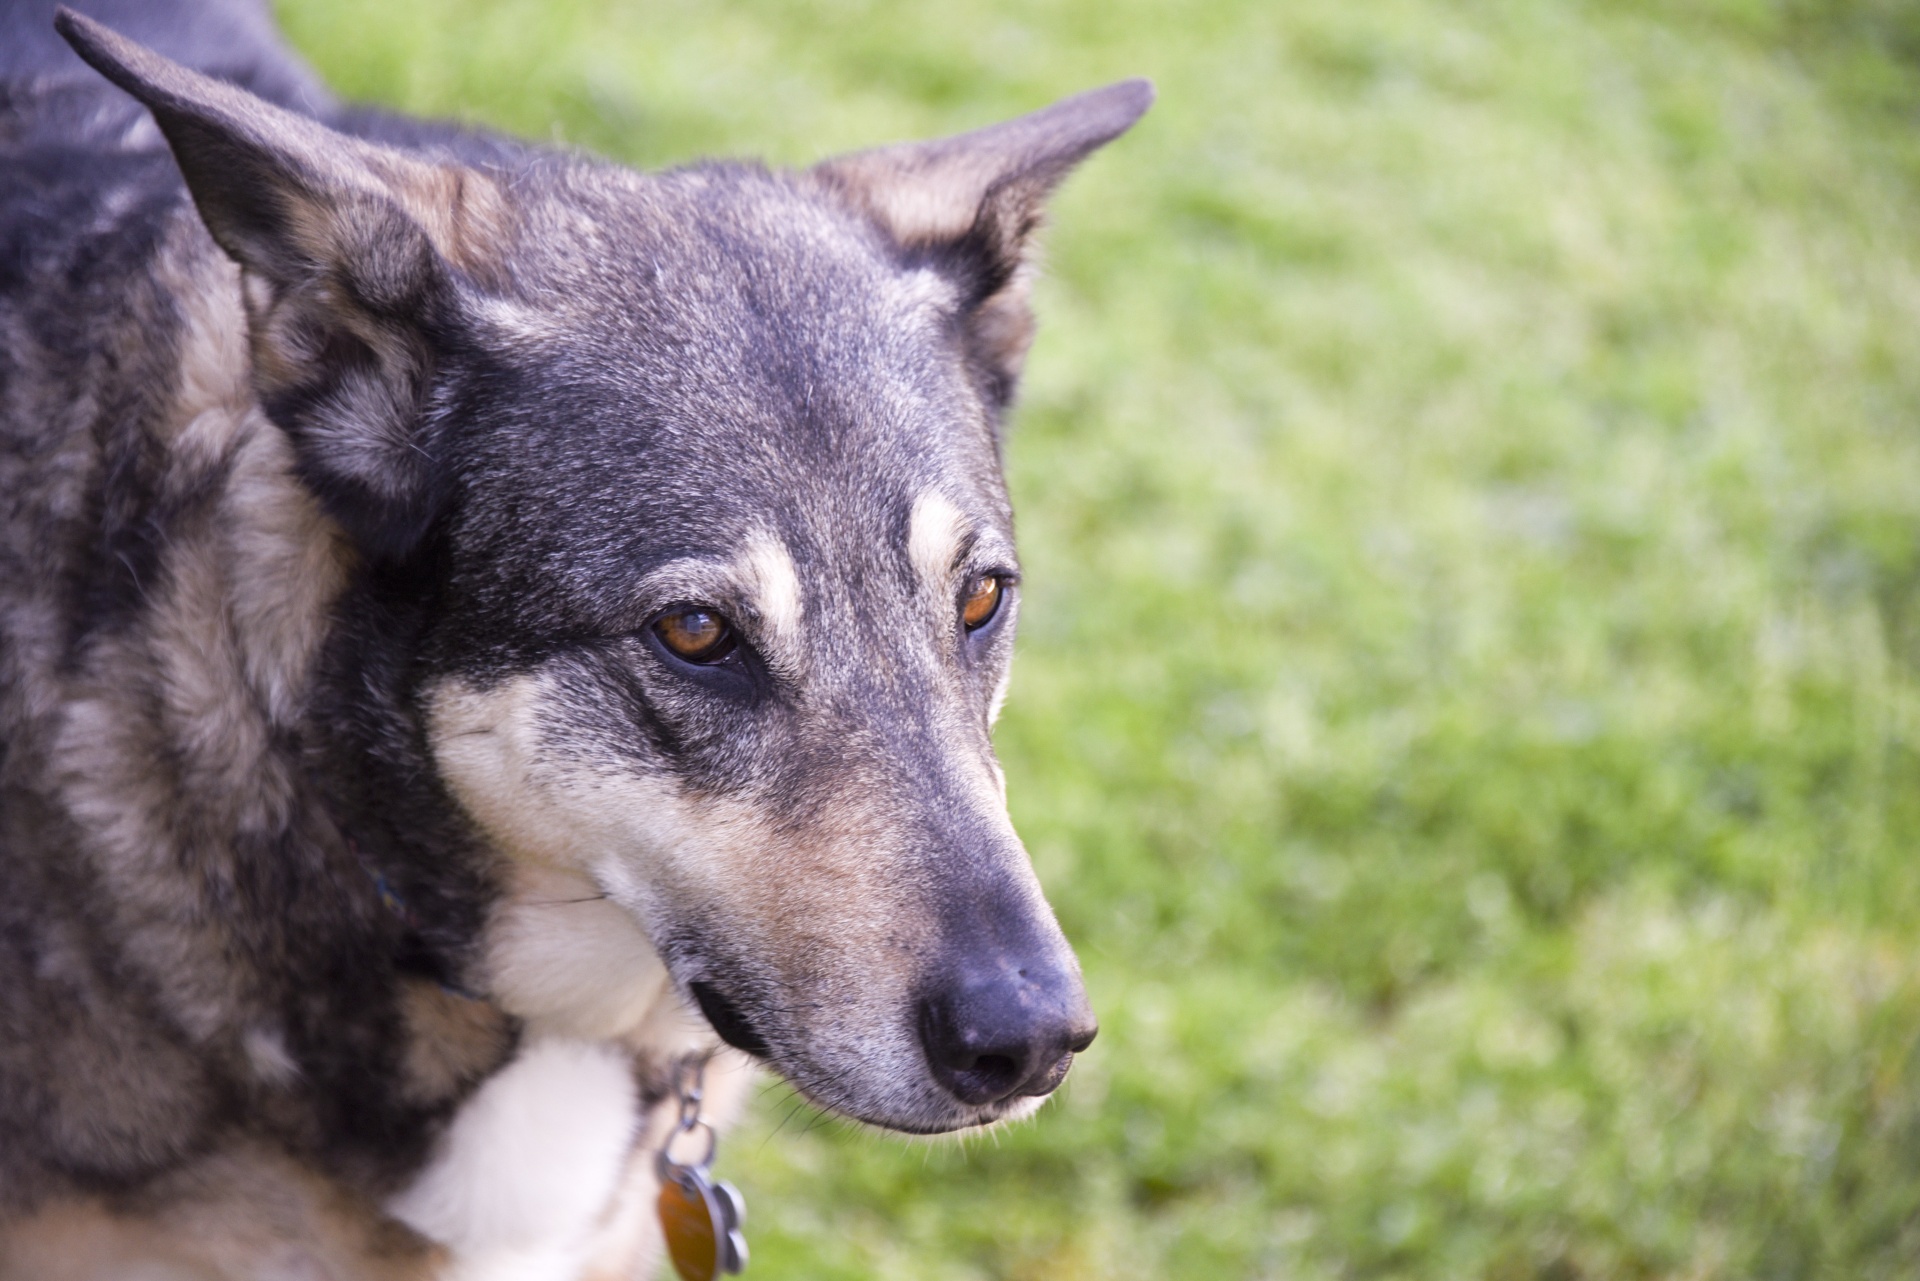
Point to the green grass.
(1468, 711)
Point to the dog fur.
(368, 860)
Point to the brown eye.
(983, 601)
(697, 635)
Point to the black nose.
(1010, 1030)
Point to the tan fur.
(556, 931)
(233, 627)
(487, 745)
(934, 531)
(766, 567)
(920, 196)
(215, 395)
(243, 1215)
(453, 1040)
(570, 962)
(463, 212)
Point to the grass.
(1468, 712)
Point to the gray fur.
(341, 495)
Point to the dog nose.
(1012, 1031)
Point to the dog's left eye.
(695, 634)
(982, 602)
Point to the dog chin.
(931, 1124)
(1021, 1109)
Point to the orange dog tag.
(701, 1222)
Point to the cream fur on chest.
(546, 1173)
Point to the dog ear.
(348, 254)
(971, 203)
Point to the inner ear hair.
(970, 204)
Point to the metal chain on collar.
(699, 1216)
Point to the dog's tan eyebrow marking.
(934, 533)
(766, 571)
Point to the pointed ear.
(970, 205)
(351, 257)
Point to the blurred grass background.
(1467, 704)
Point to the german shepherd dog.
(479, 627)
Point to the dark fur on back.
(341, 487)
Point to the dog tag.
(734, 1211)
(701, 1222)
(699, 1218)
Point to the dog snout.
(1009, 1031)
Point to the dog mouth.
(728, 1023)
(733, 1026)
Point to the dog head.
(705, 467)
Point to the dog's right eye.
(695, 634)
(982, 601)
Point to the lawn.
(1468, 709)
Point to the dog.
(481, 629)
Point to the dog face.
(702, 471)
(736, 652)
